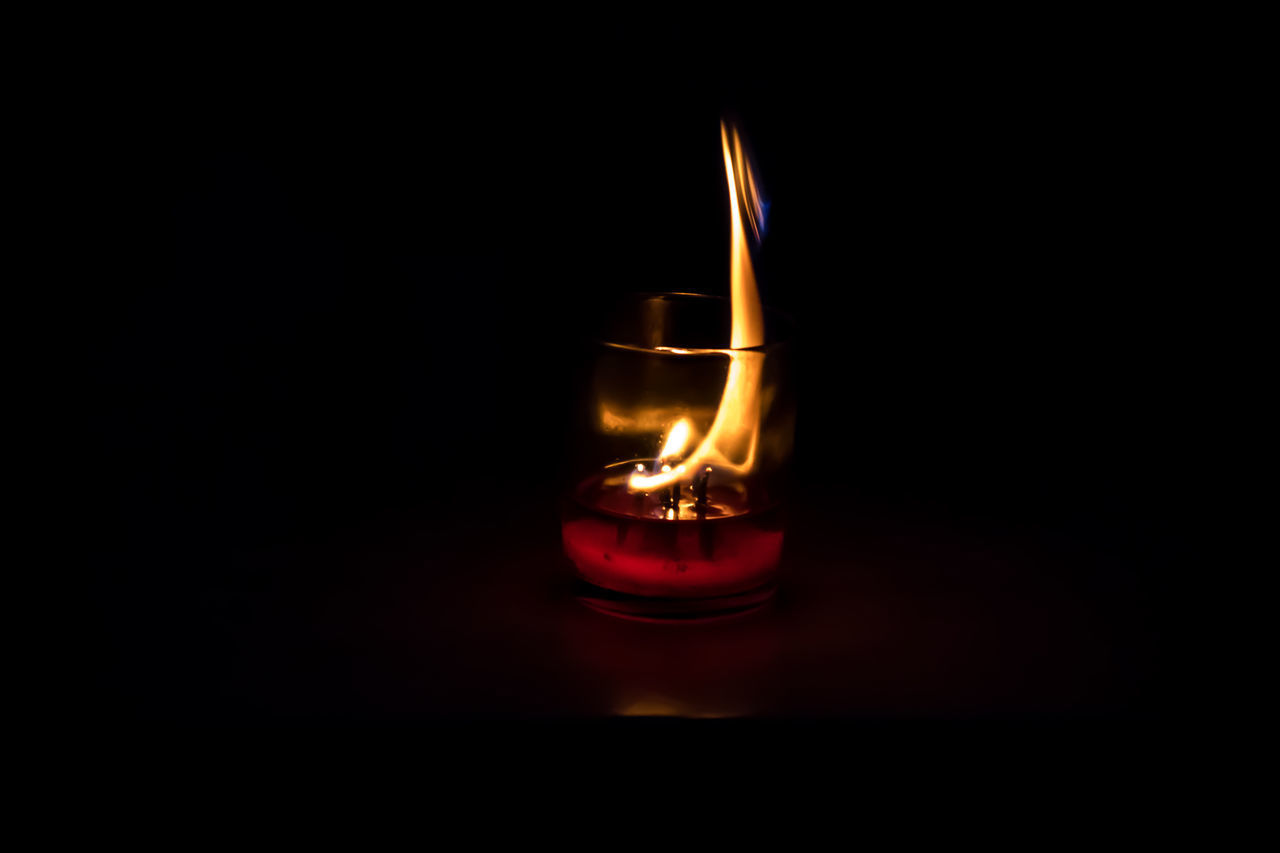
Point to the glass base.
(670, 610)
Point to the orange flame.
(730, 443)
(748, 317)
(677, 440)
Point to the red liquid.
(626, 544)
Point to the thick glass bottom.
(647, 608)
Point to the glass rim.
(639, 296)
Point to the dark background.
(337, 361)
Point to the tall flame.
(730, 443)
(748, 317)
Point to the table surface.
(442, 612)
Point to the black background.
(354, 271)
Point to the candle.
(679, 511)
(646, 546)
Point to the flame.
(677, 440)
(748, 316)
(730, 443)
